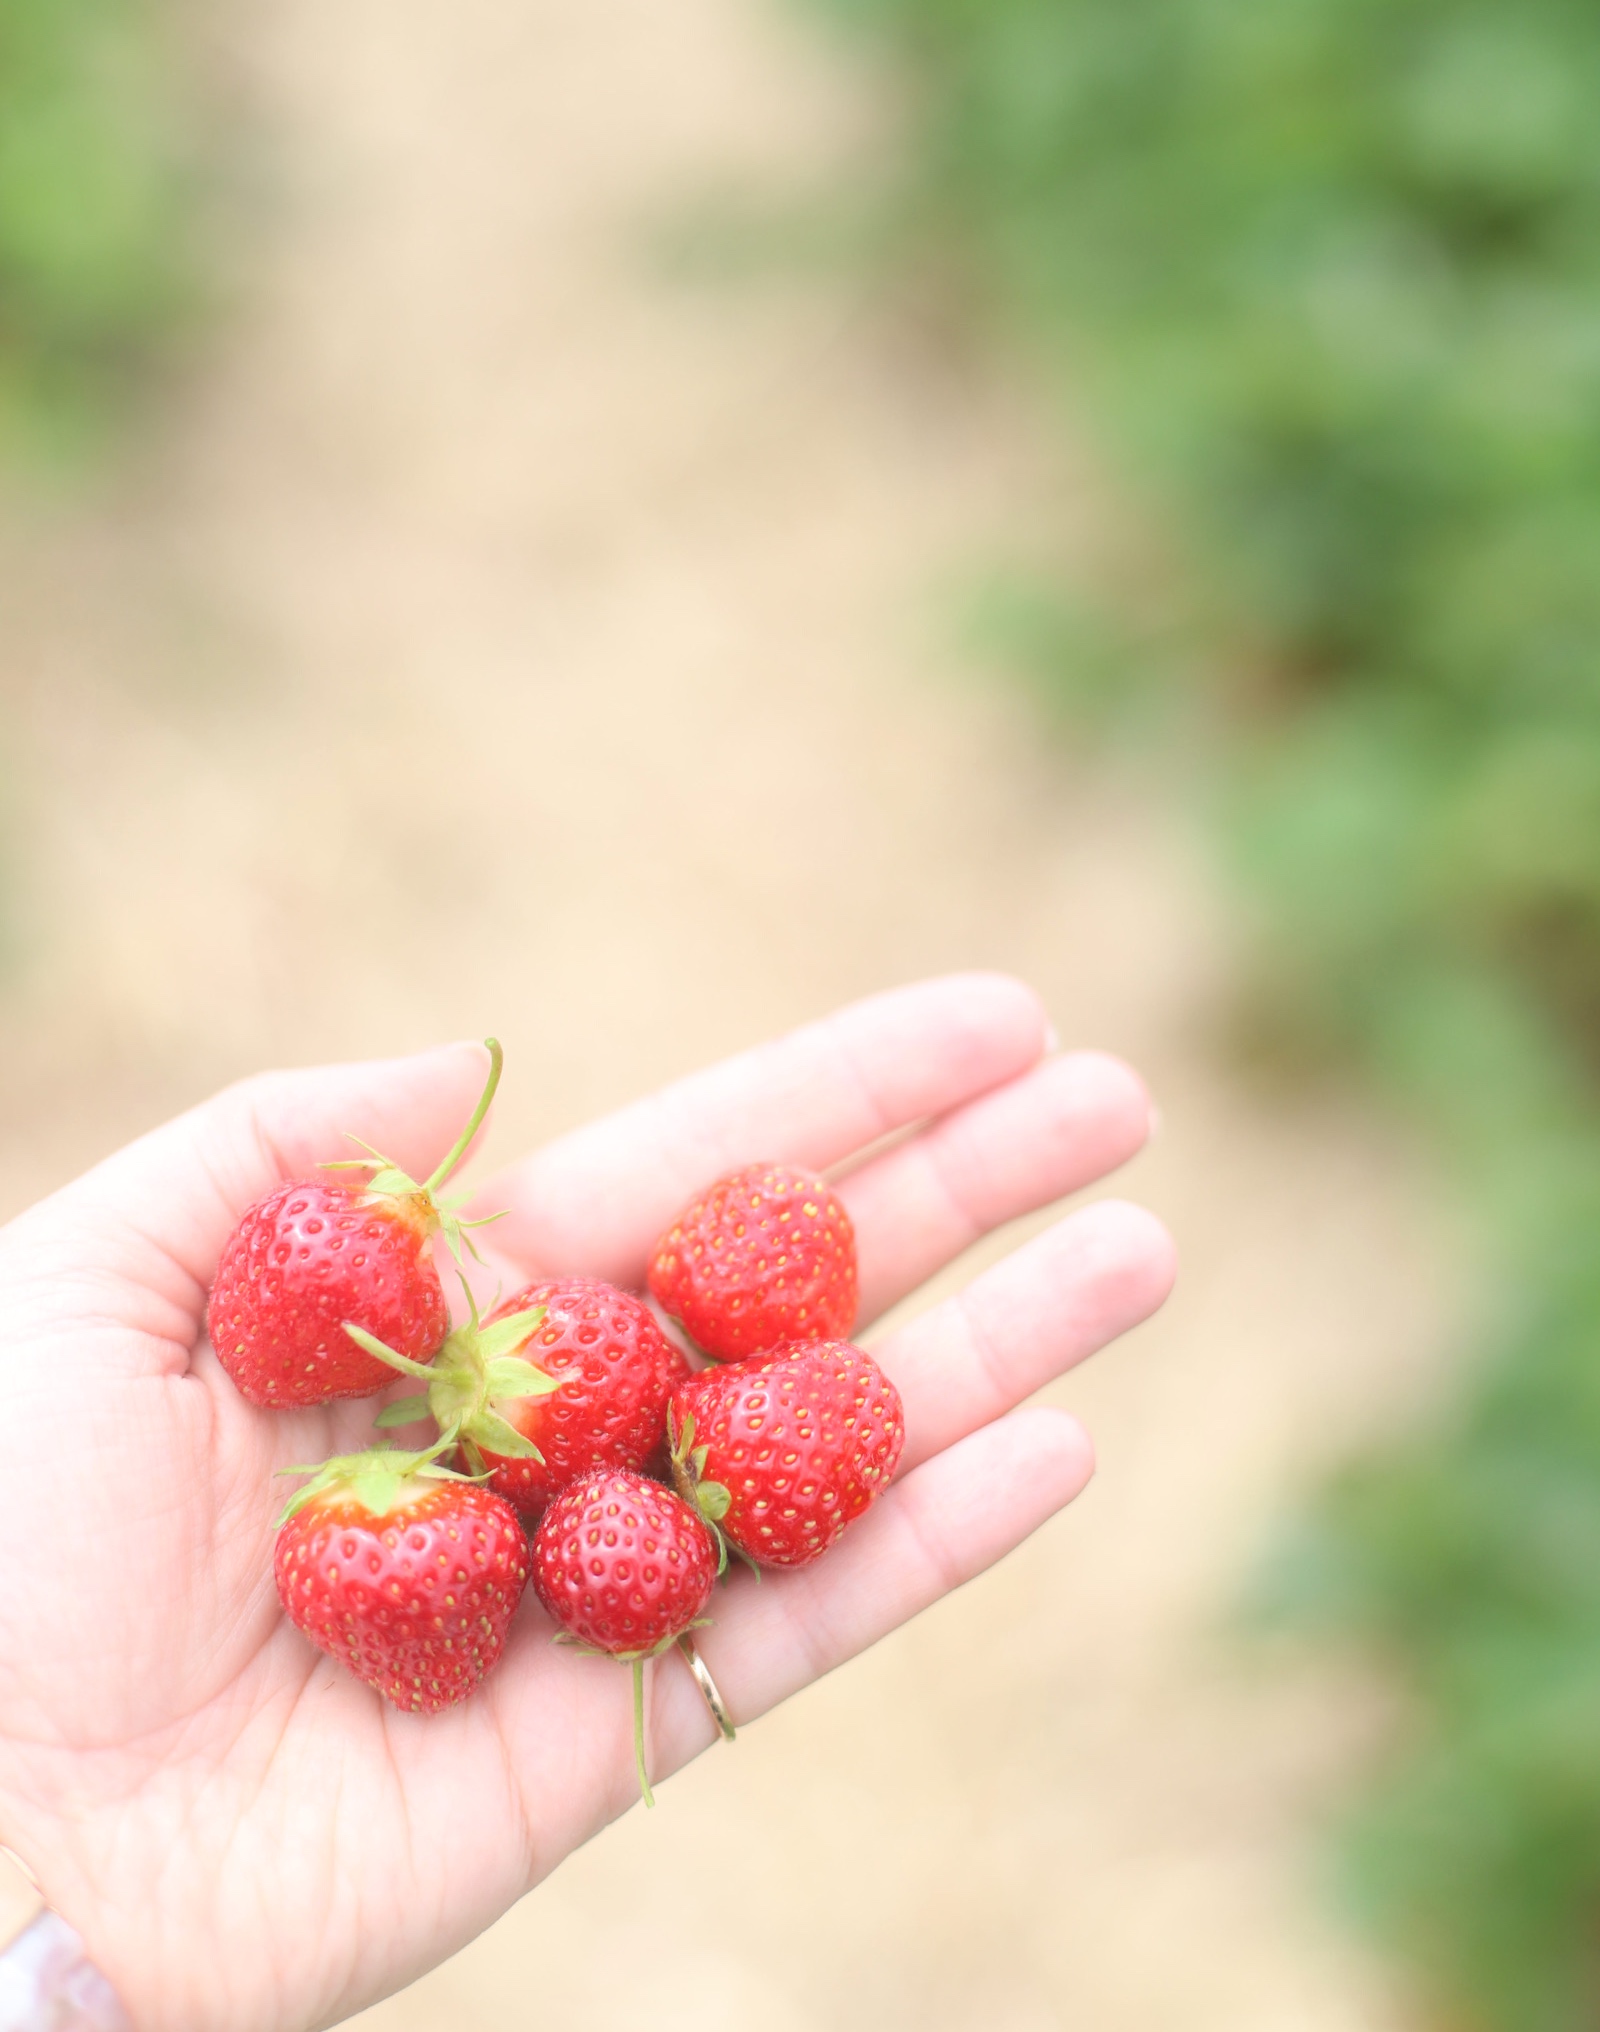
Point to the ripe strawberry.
(596, 1399)
(404, 1572)
(764, 1256)
(783, 1450)
(614, 1369)
(315, 1255)
(623, 1566)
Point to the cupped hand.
(251, 1841)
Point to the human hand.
(249, 1839)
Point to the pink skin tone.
(249, 1839)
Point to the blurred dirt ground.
(508, 635)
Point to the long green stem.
(645, 1793)
(459, 1150)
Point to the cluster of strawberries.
(577, 1444)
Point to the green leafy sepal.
(377, 1478)
(476, 1370)
(708, 1500)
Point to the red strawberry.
(783, 1450)
(764, 1256)
(302, 1262)
(623, 1566)
(313, 1256)
(596, 1398)
(403, 1572)
(615, 1370)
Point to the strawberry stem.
(459, 1149)
(645, 1793)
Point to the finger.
(1053, 1130)
(596, 1200)
(1036, 1314)
(183, 1187)
(931, 1533)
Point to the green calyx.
(380, 1479)
(568, 1642)
(709, 1500)
(433, 1214)
(476, 1370)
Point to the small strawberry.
(781, 1451)
(614, 1369)
(314, 1255)
(404, 1572)
(764, 1256)
(625, 1567)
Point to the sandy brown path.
(514, 638)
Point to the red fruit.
(622, 1563)
(764, 1256)
(314, 1257)
(300, 1264)
(615, 1370)
(783, 1450)
(406, 1575)
(625, 1566)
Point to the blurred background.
(628, 525)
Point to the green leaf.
(404, 1411)
(321, 1473)
(387, 1179)
(713, 1499)
(373, 1346)
(505, 1335)
(379, 1488)
(509, 1377)
(373, 1161)
(493, 1432)
(699, 1458)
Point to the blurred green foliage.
(1326, 273)
(90, 201)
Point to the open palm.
(249, 1839)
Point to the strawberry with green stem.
(476, 1371)
(624, 1567)
(315, 1254)
(780, 1452)
(403, 1571)
(605, 1372)
(615, 1369)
